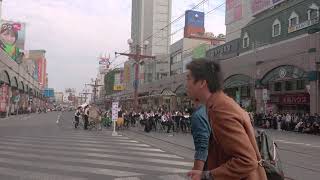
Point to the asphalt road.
(35, 147)
(299, 153)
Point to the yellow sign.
(126, 73)
(118, 88)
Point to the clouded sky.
(75, 32)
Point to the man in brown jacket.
(233, 152)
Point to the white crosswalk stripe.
(35, 175)
(73, 156)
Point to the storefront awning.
(167, 92)
(237, 81)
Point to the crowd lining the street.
(297, 122)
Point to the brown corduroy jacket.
(233, 151)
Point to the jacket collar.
(212, 101)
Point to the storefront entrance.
(292, 103)
(239, 88)
(287, 86)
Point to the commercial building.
(181, 52)
(274, 65)
(150, 22)
(58, 97)
(40, 61)
(237, 15)
(114, 81)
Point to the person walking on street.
(86, 117)
(201, 130)
(233, 152)
(77, 117)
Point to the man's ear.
(203, 83)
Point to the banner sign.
(115, 110)
(12, 38)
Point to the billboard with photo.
(194, 19)
(258, 6)
(12, 38)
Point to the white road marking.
(40, 139)
(111, 146)
(100, 162)
(128, 178)
(67, 148)
(297, 143)
(97, 155)
(22, 174)
(72, 168)
(174, 177)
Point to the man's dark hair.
(207, 70)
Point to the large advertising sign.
(104, 65)
(194, 19)
(126, 73)
(36, 71)
(12, 39)
(49, 92)
(40, 69)
(258, 6)
(233, 11)
(45, 78)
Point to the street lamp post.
(138, 58)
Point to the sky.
(75, 33)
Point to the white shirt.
(86, 112)
(288, 118)
(164, 118)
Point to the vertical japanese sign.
(44, 79)
(40, 73)
(115, 110)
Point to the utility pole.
(138, 58)
(95, 86)
(85, 93)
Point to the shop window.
(277, 86)
(276, 28)
(245, 91)
(294, 19)
(289, 85)
(246, 40)
(300, 84)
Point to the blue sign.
(35, 73)
(48, 92)
(135, 83)
(194, 19)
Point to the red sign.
(290, 99)
(40, 76)
(296, 99)
(44, 73)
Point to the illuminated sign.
(118, 88)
